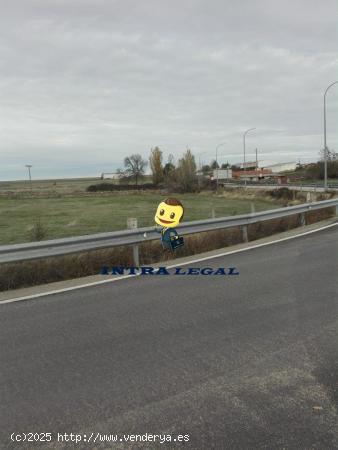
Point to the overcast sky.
(85, 83)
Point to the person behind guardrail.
(168, 215)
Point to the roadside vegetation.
(314, 173)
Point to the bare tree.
(331, 155)
(134, 167)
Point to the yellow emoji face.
(169, 213)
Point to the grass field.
(62, 186)
(77, 215)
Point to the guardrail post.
(136, 256)
(131, 225)
(302, 219)
(244, 229)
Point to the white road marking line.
(71, 288)
(263, 244)
(219, 255)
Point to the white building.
(281, 167)
(223, 174)
(111, 176)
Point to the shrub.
(119, 187)
(282, 194)
(38, 232)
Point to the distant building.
(307, 166)
(253, 175)
(223, 174)
(259, 175)
(111, 176)
(282, 167)
(247, 165)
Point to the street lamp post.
(325, 146)
(199, 159)
(217, 147)
(244, 136)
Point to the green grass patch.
(79, 215)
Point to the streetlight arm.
(247, 131)
(335, 82)
(217, 147)
(325, 146)
(244, 135)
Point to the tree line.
(316, 171)
(181, 176)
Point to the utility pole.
(256, 160)
(29, 171)
(199, 159)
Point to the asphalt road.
(234, 362)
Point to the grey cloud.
(93, 81)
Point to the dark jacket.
(167, 234)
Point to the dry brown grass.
(321, 214)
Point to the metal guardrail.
(64, 246)
(269, 183)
